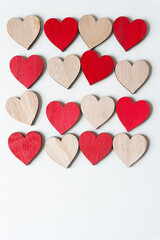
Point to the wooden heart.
(23, 109)
(62, 151)
(61, 34)
(132, 114)
(24, 32)
(97, 111)
(129, 150)
(25, 148)
(62, 117)
(129, 33)
(26, 71)
(94, 32)
(94, 68)
(64, 72)
(132, 76)
(95, 148)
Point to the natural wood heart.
(97, 111)
(94, 32)
(23, 109)
(64, 72)
(132, 76)
(129, 150)
(62, 151)
(24, 32)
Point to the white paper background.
(107, 201)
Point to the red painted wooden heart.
(25, 148)
(26, 71)
(129, 34)
(61, 34)
(94, 68)
(62, 117)
(95, 148)
(132, 114)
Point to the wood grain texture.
(26, 71)
(129, 33)
(97, 111)
(94, 147)
(24, 32)
(94, 32)
(132, 76)
(23, 109)
(64, 72)
(25, 148)
(61, 33)
(62, 151)
(62, 117)
(129, 150)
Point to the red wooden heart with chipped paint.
(95, 148)
(25, 148)
(129, 33)
(94, 68)
(132, 114)
(26, 71)
(62, 117)
(61, 34)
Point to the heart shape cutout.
(94, 32)
(64, 72)
(61, 34)
(129, 150)
(23, 109)
(94, 68)
(95, 148)
(26, 71)
(62, 117)
(129, 33)
(97, 111)
(132, 114)
(25, 148)
(132, 76)
(62, 151)
(24, 32)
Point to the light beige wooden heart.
(23, 109)
(94, 32)
(62, 151)
(129, 150)
(97, 111)
(64, 72)
(24, 32)
(132, 76)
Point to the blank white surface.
(107, 201)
